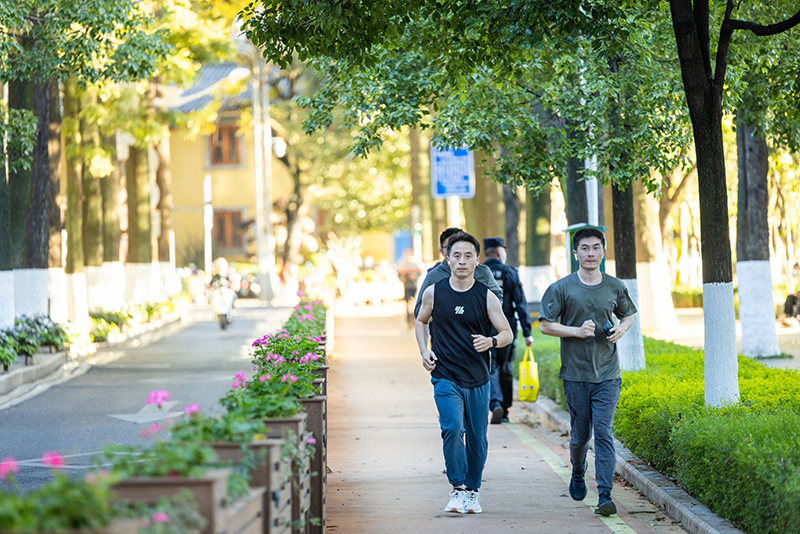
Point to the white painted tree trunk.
(77, 299)
(535, 280)
(630, 347)
(30, 292)
(143, 283)
(757, 309)
(170, 280)
(115, 284)
(656, 310)
(95, 287)
(721, 363)
(57, 290)
(6, 299)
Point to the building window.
(225, 146)
(228, 230)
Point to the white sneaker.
(457, 500)
(473, 502)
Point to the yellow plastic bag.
(528, 377)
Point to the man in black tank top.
(464, 311)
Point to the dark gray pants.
(592, 406)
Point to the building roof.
(210, 79)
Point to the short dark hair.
(444, 236)
(492, 252)
(463, 236)
(584, 233)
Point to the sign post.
(452, 177)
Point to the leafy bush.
(49, 332)
(119, 318)
(63, 504)
(307, 317)
(8, 349)
(27, 336)
(738, 460)
(687, 297)
(744, 465)
(100, 329)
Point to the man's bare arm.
(421, 329)
(504, 335)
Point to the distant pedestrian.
(464, 311)
(409, 271)
(578, 309)
(515, 307)
(441, 270)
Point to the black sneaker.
(605, 506)
(577, 486)
(497, 415)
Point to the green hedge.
(742, 461)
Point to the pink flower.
(311, 441)
(144, 433)
(9, 465)
(159, 397)
(91, 478)
(262, 378)
(53, 459)
(283, 378)
(293, 378)
(160, 517)
(269, 376)
(155, 427)
(192, 408)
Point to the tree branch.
(761, 30)
(701, 15)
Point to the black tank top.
(456, 316)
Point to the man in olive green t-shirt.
(576, 308)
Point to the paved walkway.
(384, 451)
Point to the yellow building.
(227, 156)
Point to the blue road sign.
(452, 173)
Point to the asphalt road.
(195, 364)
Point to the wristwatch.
(494, 341)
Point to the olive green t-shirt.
(571, 302)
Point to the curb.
(50, 369)
(693, 515)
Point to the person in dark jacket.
(515, 307)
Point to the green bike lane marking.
(615, 523)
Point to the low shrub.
(119, 318)
(547, 353)
(744, 465)
(100, 329)
(687, 297)
(8, 349)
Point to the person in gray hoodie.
(441, 270)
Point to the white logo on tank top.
(459, 310)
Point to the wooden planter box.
(246, 516)
(280, 428)
(322, 373)
(301, 496)
(209, 491)
(272, 473)
(317, 410)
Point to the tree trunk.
(74, 216)
(6, 270)
(538, 273)
(20, 96)
(54, 151)
(577, 206)
(109, 189)
(137, 185)
(38, 225)
(704, 99)
(511, 201)
(756, 306)
(292, 210)
(164, 206)
(92, 195)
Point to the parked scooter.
(222, 298)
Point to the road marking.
(615, 523)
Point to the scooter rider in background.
(221, 294)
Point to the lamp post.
(262, 143)
(208, 224)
